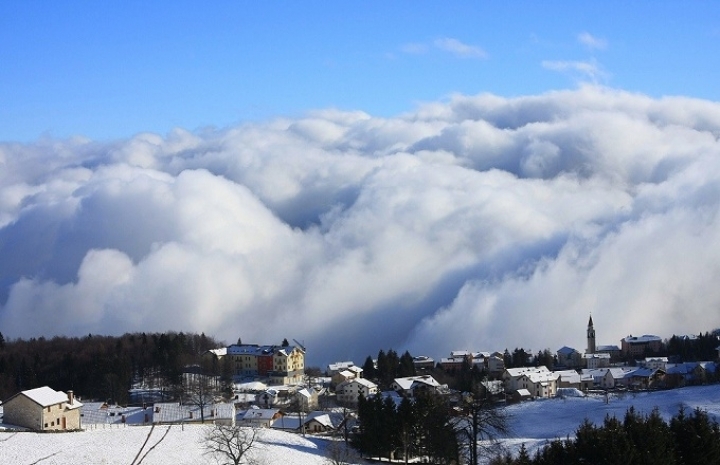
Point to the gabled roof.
(408, 382)
(260, 414)
(45, 397)
(541, 377)
(361, 381)
(328, 419)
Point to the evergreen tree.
(523, 456)
(406, 366)
(369, 370)
(697, 439)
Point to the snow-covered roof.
(514, 372)
(541, 377)
(596, 355)
(46, 396)
(607, 348)
(286, 422)
(408, 382)
(221, 352)
(328, 419)
(363, 382)
(260, 414)
(641, 339)
(337, 366)
(565, 350)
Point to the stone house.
(43, 409)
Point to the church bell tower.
(590, 337)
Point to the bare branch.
(154, 445)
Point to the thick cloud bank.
(480, 223)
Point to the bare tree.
(339, 453)
(231, 445)
(200, 391)
(482, 425)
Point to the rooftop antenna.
(302, 346)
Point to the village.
(273, 388)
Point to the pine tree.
(369, 371)
(406, 366)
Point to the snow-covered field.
(532, 423)
(119, 445)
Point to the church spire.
(590, 337)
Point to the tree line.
(101, 367)
(687, 439)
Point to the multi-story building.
(283, 365)
(634, 346)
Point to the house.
(259, 417)
(643, 378)
(323, 422)
(306, 399)
(569, 357)
(289, 422)
(338, 366)
(495, 364)
(349, 391)
(539, 384)
(411, 385)
(43, 409)
(679, 374)
(100, 413)
(572, 379)
(423, 362)
(612, 350)
(342, 376)
(519, 395)
(606, 378)
(511, 376)
(596, 360)
(655, 363)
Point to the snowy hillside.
(532, 423)
(119, 445)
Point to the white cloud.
(585, 69)
(592, 42)
(459, 49)
(478, 223)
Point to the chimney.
(71, 397)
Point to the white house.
(596, 360)
(511, 376)
(349, 391)
(410, 385)
(540, 384)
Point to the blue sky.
(108, 70)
